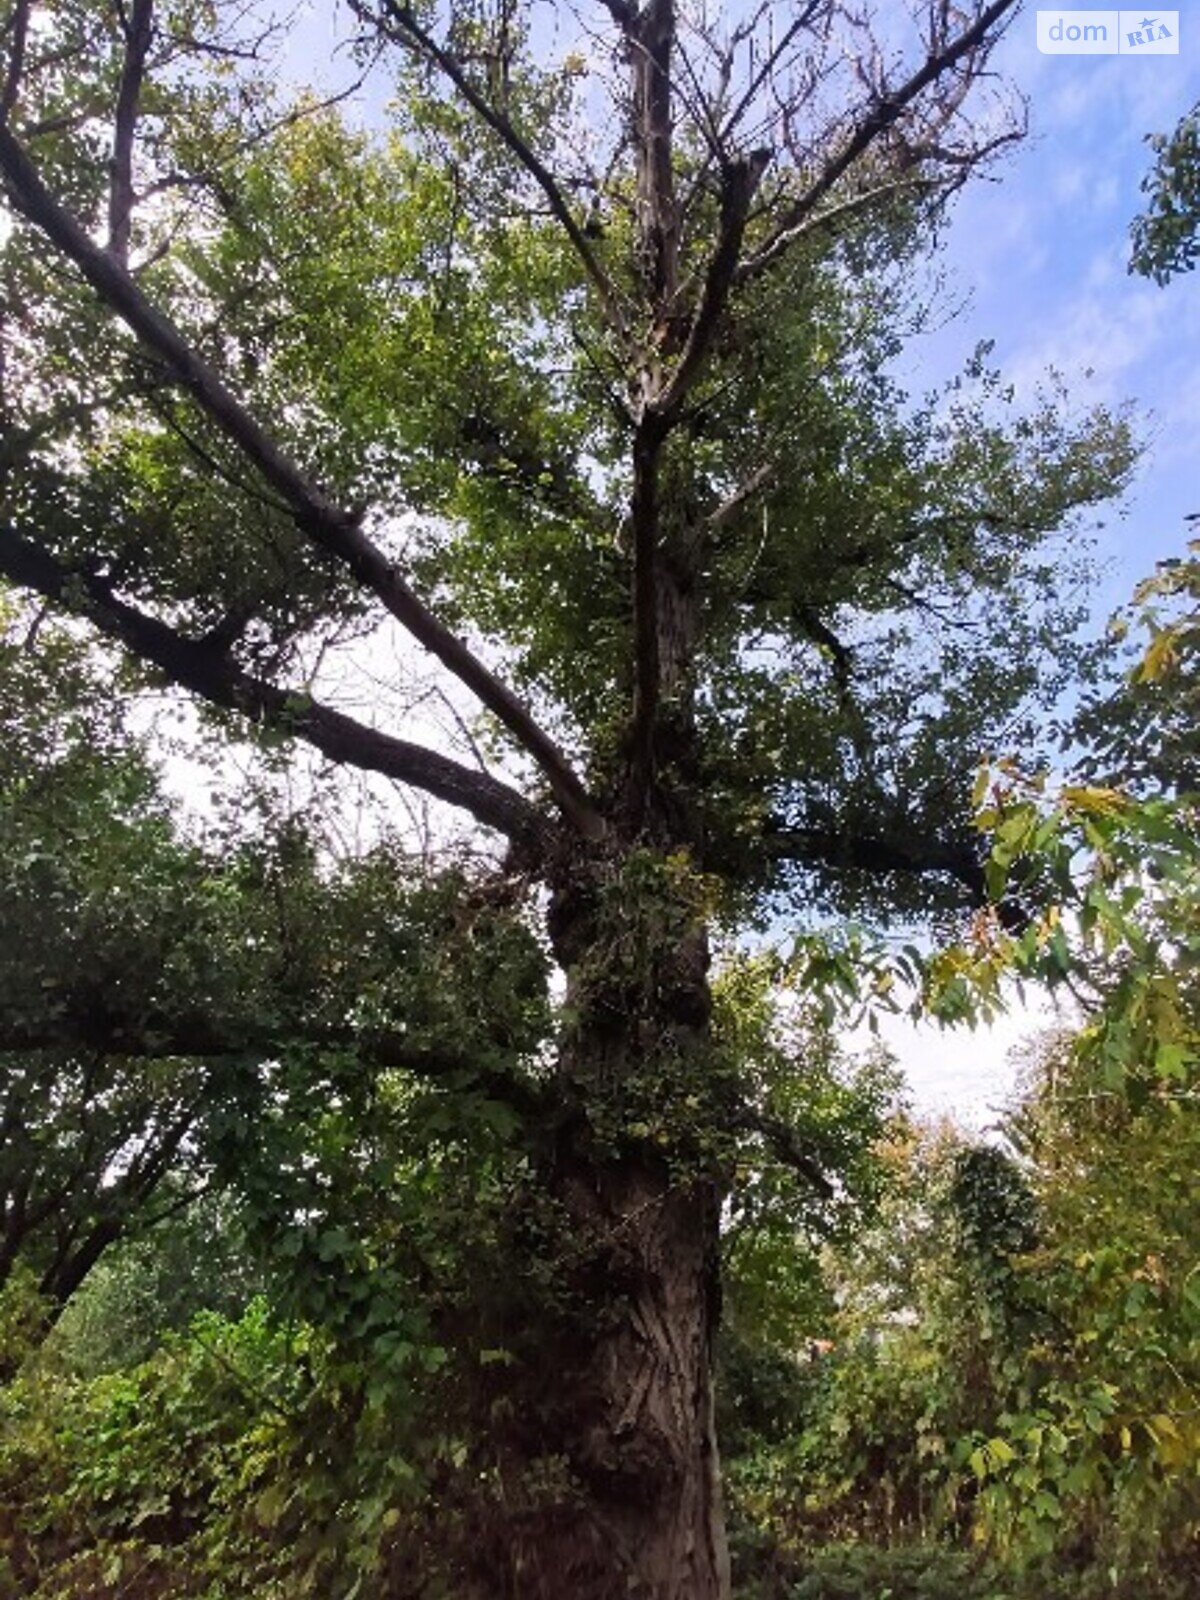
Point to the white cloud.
(1071, 181)
(970, 1074)
(1111, 336)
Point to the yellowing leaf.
(1091, 798)
(1161, 657)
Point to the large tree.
(583, 374)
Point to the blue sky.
(1038, 255)
(1043, 251)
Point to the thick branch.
(330, 527)
(827, 219)
(650, 38)
(645, 519)
(67, 1272)
(883, 114)
(874, 853)
(82, 1022)
(210, 673)
(740, 497)
(138, 33)
(17, 28)
(741, 179)
(886, 853)
(786, 1145)
(822, 635)
(651, 41)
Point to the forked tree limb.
(320, 518)
(212, 675)
(740, 180)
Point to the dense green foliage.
(374, 1198)
(996, 1347)
(1013, 1352)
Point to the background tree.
(581, 376)
(1165, 235)
(1093, 1455)
(1143, 738)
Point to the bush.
(935, 1572)
(919, 1572)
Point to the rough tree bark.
(642, 1445)
(632, 1417)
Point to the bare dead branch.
(651, 44)
(828, 218)
(702, 109)
(881, 114)
(768, 68)
(745, 492)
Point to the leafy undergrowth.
(933, 1572)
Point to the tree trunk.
(634, 1405)
(636, 1507)
(618, 1424)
